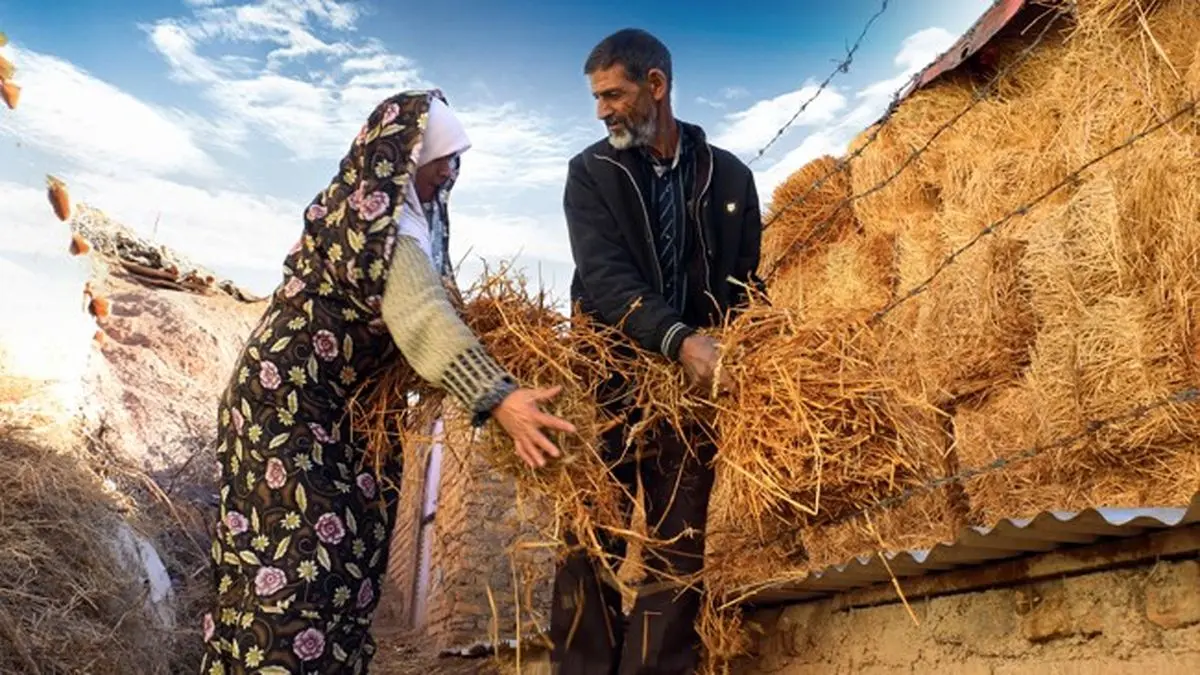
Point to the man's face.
(628, 110)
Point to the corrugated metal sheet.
(1009, 539)
(995, 19)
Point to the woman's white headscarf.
(444, 135)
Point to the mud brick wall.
(482, 539)
(395, 608)
(478, 554)
(1125, 622)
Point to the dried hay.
(807, 211)
(1027, 75)
(1121, 354)
(1000, 155)
(1111, 83)
(886, 155)
(1015, 421)
(1107, 17)
(813, 429)
(68, 603)
(845, 282)
(740, 550)
(542, 349)
(970, 331)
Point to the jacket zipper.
(645, 218)
(700, 224)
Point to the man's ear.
(657, 80)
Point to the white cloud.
(143, 164)
(833, 134)
(731, 93)
(315, 108)
(179, 49)
(828, 142)
(749, 130)
(93, 125)
(726, 94)
(922, 47)
(30, 226)
(511, 148)
(480, 232)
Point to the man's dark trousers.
(586, 625)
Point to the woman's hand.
(523, 419)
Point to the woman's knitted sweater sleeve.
(432, 337)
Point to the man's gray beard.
(640, 135)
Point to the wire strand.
(843, 66)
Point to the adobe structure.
(464, 552)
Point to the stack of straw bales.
(1078, 309)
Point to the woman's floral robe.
(302, 541)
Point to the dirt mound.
(165, 357)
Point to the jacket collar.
(632, 159)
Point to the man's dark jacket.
(610, 223)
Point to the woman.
(303, 538)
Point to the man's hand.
(523, 419)
(700, 355)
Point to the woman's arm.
(444, 351)
(432, 337)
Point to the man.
(665, 232)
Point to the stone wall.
(1134, 621)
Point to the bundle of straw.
(814, 428)
(542, 348)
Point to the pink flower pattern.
(210, 627)
(374, 205)
(366, 593)
(325, 344)
(320, 434)
(236, 523)
(293, 287)
(309, 644)
(268, 376)
(330, 529)
(366, 485)
(356, 198)
(269, 581)
(316, 212)
(390, 113)
(276, 474)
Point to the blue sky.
(220, 119)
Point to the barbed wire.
(843, 66)
(1069, 179)
(843, 165)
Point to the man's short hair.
(638, 51)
